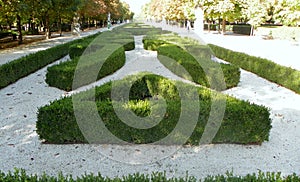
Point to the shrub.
(284, 76)
(19, 175)
(62, 75)
(19, 68)
(243, 122)
(242, 29)
(126, 40)
(213, 27)
(199, 65)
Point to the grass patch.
(282, 75)
(243, 122)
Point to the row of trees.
(46, 13)
(254, 12)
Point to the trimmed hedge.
(284, 76)
(62, 75)
(19, 175)
(19, 68)
(242, 29)
(194, 64)
(126, 40)
(243, 122)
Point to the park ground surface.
(20, 146)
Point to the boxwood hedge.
(282, 75)
(199, 65)
(62, 75)
(243, 122)
(115, 37)
(19, 175)
(19, 68)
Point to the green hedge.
(62, 75)
(242, 29)
(213, 27)
(19, 68)
(243, 123)
(195, 64)
(126, 40)
(19, 175)
(284, 76)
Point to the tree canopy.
(50, 13)
(253, 12)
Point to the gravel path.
(21, 148)
(11, 54)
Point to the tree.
(288, 12)
(15, 11)
(255, 13)
(225, 10)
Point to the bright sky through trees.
(136, 5)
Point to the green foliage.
(19, 68)
(199, 65)
(243, 122)
(242, 29)
(13, 71)
(284, 76)
(62, 75)
(213, 27)
(115, 37)
(19, 175)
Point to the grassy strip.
(243, 122)
(20, 176)
(196, 59)
(19, 68)
(282, 75)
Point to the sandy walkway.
(21, 148)
(20, 51)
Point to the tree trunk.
(19, 25)
(208, 26)
(59, 27)
(252, 31)
(48, 32)
(223, 26)
(219, 26)
(29, 25)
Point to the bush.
(95, 55)
(19, 68)
(19, 175)
(62, 75)
(243, 123)
(284, 76)
(126, 40)
(213, 27)
(242, 29)
(199, 65)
